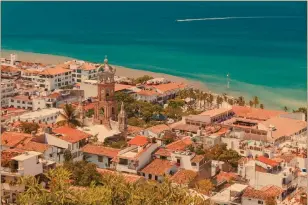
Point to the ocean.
(262, 45)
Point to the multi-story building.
(49, 78)
(15, 164)
(27, 102)
(8, 89)
(133, 158)
(82, 70)
(48, 116)
(67, 138)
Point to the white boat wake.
(233, 17)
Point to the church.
(106, 121)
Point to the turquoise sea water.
(261, 44)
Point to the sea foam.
(233, 17)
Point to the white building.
(49, 78)
(100, 155)
(82, 70)
(136, 156)
(8, 89)
(27, 102)
(253, 196)
(67, 138)
(230, 195)
(17, 164)
(48, 116)
(158, 169)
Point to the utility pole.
(228, 81)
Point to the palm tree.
(255, 101)
(241, 101)
(261, 106)
(210, 99)
(219, 100)
(285, 108)
(69, 116)
(250, 103)
(225, 97)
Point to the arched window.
(102, 111)
(112, 110)
(107, 93)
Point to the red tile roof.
(169, 86)
(134, 129)
(12, 139)
(70, 134)
(179, 145)
(184, 176)
(267, 161)
(100, 150)
(159, 128)
(255, 113)
(163, 152)
(225, 176)
(34, 146)
(197, 158)
(262, 194)
(7, 155)
(139, 141)
(157, 167)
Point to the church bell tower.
(106, 107)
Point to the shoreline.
(290, 102)
(120, 70)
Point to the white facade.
(27, 103)
(62, 145)
(102, 162)
(183, 160)
(49, 116)
(8, 89)
(130, 161)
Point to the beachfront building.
(10, 72)
(8, 89)
(49, 78)
(67, 138)
(100, 155)
(82, 70)
(47, 116)
(253, 196)
(136, 156)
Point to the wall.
(146, 156)
(52, 140)
(38, 104)
(246, 201)
(31, 167)
(94, 159)
(185, 160)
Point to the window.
(156, 178)
(69, 147)
(193, 164)
(12, 100)
(150, 176)
(260, 202)
(100, 158)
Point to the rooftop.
(184, 176)
(54, 71)
(39, 113)
(139, 141)
(216, 112)
(100, 150)
(70, 134)
(264, 193)
(129, 178)
(256, 113)
(12, 139)
(267, 161)
(157, 167)
(34, 146)
(179, 145)
(169, 86)
(159, 128)
(26, 155)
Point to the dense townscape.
(76, 133)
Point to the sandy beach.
(121, 71)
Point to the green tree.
(142, 79)
(29, 127)
(83, 173)
(302, 110)
(255, 101)
(205, 186)
(219, 100)
(270, 201)
(250, 103)
(69, 116)
(176, 103)
(285, 108)
(90, 113)
(67, 155)
(261, 106)
(241, 101)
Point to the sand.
(121, 71)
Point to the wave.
(233, 17)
